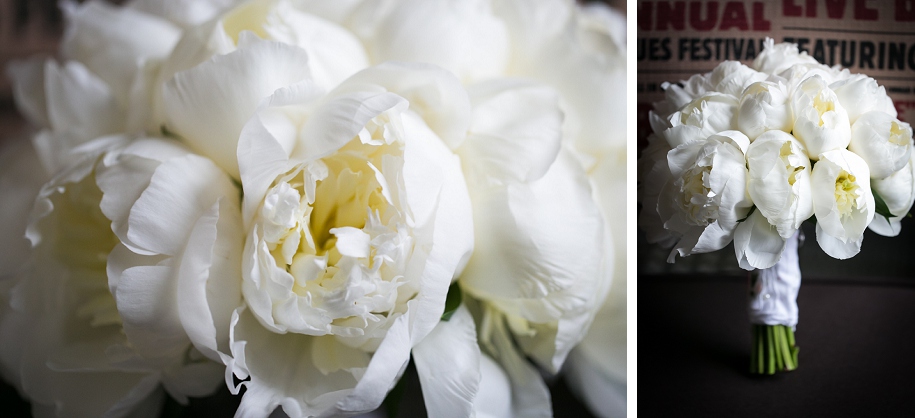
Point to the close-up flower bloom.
(842, 202)
(305, 201)
(116, 298)
(884, 142)
(707, 194)
(779, 185)
(820, 121)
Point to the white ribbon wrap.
(773, 291)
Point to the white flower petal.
(147, 302)
(387, 365)
(837, 248)
(430, 169)
(576, 51)
(114, 42)
(352, 242)
(757, 243)
(516, 130)
(281, 372)
(464, 38)
(339, 120)
(779, 181)
(529, 394)
(334, 53)
(820, 121)
(884, 142)
(840, 229)
(209, 281)
(604, 395)
(433, 93)
(183, 188)
(122, 184)
(208, 105)
(898, 192)
(79, 103)
(183, 12)
(521, 252)
(448, 364)
(267, 140)
(494, 396)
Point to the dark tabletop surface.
(856, 334)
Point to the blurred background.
(27, 27)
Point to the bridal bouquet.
(746, 154)
(296, 199)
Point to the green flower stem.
(761, 365)
(771, 351)
(777, 342)
(774, 349)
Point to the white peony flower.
(357, 219)
(779, 180)
(516, 269)
(729, 77)
(820, 121)
(119, 300)
(860, 94)
(101, 87)
(708, 115)
(301, 47)
(776, 58)
(884, 142)
(798, 73)
(898, 192)
(779, 184)
(764, 107)
(842, 201)
(707, 194)
(580, 52)
(732, 78)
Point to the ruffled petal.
(182, 188)
(208, 105)
(209, 282)
(433, 93)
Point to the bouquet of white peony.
(746, 154)
(296, 198)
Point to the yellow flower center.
(847, 193)
(697, 200)
(792, 165)
(823, 103)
